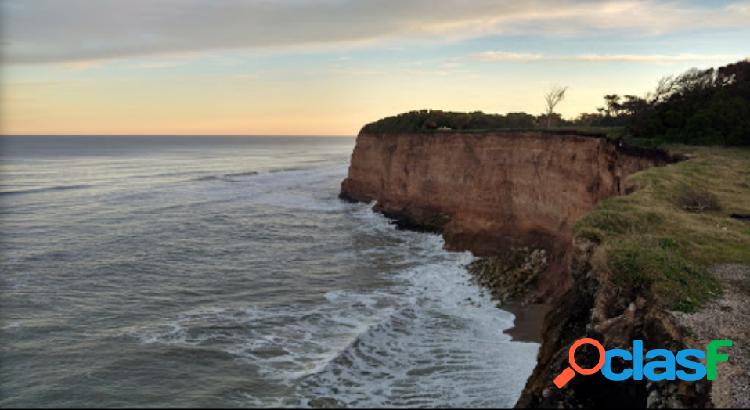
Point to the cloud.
(493, 56)
(504, 56)
(81, 65)
(656, 58)
(158, 65)
(38, 31)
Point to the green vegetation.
(430, 120)
(698, 107)
(656, 240)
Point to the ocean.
(224, 271)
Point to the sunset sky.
(326, 67)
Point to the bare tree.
(552, 98)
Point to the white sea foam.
(443, 346)
(432, 339)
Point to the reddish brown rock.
(491, 190)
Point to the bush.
(693, 199)
(431, 120)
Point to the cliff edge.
(490, 191)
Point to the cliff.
(652, 266)
(629, 260)
(489, 191)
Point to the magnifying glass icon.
(567, 375)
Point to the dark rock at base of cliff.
(416, 219)
(344, 196)
(412, 219)
(510, 275)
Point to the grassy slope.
(652, 243)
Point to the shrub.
(694, 199)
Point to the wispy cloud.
(492, 56)
(158, 65)
(59, 31)
(656, 58)
(81, 65)
(504, 56)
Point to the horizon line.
(182, 135)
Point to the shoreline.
(529, 321)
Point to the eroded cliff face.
(596, 308)
(489, 191)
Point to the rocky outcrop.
(490, 191)
(597, 308)
(510, 275)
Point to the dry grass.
(652, 239)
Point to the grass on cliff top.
(666, 235)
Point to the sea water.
(224, 271)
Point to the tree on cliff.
(709, 106)
(612, 105)
(552, 98)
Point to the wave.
(429, 337)
(287, 341)
(45, 189)
(444, 345)
(165, 174)
(229, 177)
(287, 169)
(209, 178)
(241, 174)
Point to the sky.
(327, 67)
